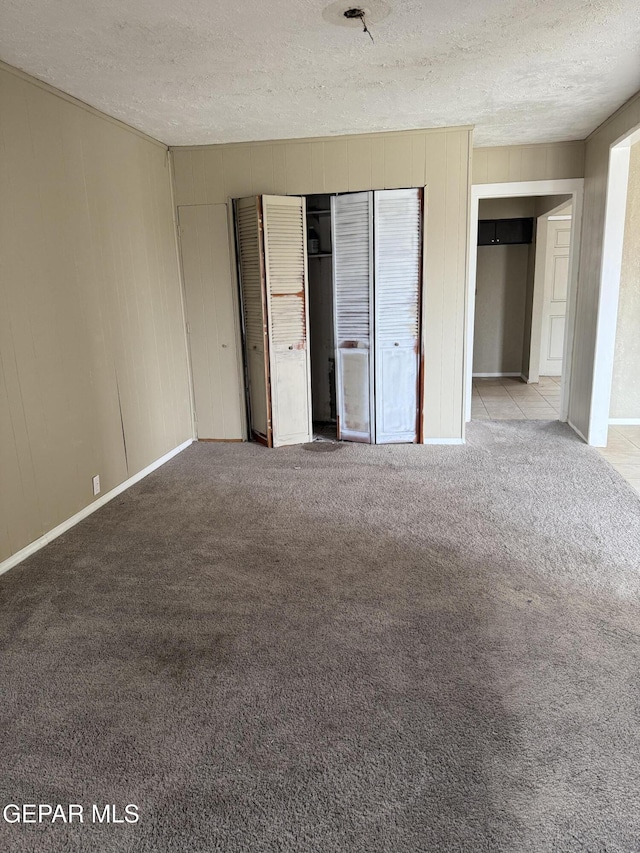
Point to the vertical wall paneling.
(261, 169)
(211, 323)
(336, 166)
(528, 162)
(298, 161)
(93, 365)
(398, 161)
(437, 158)
(359, 164)
(236, 164)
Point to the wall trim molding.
(338, 137)
(624, 421)
(48, 537)
(443, 441)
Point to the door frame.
(609, 295)
(513, 189)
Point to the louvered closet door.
(397, 240)
(352, 235)
(285, 251)
(251, 266)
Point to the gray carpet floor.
(365, 649)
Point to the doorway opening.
(522, 276)
(523, 261)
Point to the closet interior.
(321, 320)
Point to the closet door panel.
(356, 412)
(285, 258)
(352, 235)
(397, 240)
(252, 286)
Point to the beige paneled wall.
(595, 196)
(93, 372)
(438, 159)
(212, 322)
(625, 392)
(555, 161)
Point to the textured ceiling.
(202, 71)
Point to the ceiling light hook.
(359, 14)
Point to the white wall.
(625, 391)
(93, 368)
(583, 389)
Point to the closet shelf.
(320, 255)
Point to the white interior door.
(287, 293)
(397, 265)
(254, 310)
(556, 284)
(352, 235)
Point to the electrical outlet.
(96, 484)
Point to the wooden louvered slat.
(251, 266)
(351, 225)
(398, 259)
(284, 224)
(250, 270)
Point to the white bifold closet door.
(397, 239)
(272, 250)
(352, 236)
(377, 238)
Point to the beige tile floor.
(623, 452)
(512, 399)
(509, 398)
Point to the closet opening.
(321, 320)
(330, 289)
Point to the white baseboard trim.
(443, 441)
(39, 543)
(624, 421)
(494, 375)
